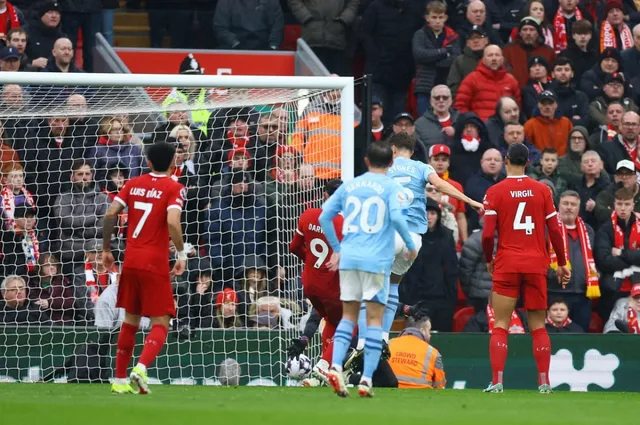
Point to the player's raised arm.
(446, 188)
(110, 218)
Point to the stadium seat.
(291, 35)
(462, 298)
(596, 326)
(461, 317)
(411, 106)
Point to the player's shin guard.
(341, 342)
(327, 341)
(153, 345)
(498, 350)
(390, 311)
(126, 343)
(362, 326)
(542, 354)
(372, 351)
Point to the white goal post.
(258, 158)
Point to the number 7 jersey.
(148, 198)
(522, 206)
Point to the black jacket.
(578, 282)
(431, 60)
(608, 264)
(28, 314)
(509, 13)
(592, 81)
(463, 163)
(571, 102)
(587, 193)
(631, 62)
(571, 328)
(475, 188)
(611, 153)
(581, 61)
(41, 40)
(530, 94)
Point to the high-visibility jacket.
(197, 112)
(415, 363)
(318, 138)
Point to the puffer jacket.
(598, 109)
(517, 55)
(429, 130)
(465, 163)
(592, 81)
(462, 66)
(431, 60)
(619, 312)
(475, 280)
(569, 164)
(483, 88)
(325, 22)
(546, 133)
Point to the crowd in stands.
(466, 79)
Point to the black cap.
(47, 6)
(376, 101)
(478, 30)
(404, 115)
(530, 20)
(616, 76)
(24, 210)
(332, 185)
(190, 65)
(612, 53)
(518, 154)
(433, 205)
(8, 52)
(537, 60)
(547, 95)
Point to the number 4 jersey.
(148, 198)
(522, 207)
(310, 245)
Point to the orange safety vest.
(318, 137)
(415, 363)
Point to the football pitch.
(68, 404)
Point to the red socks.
(126, 343)
(327, 341)
(153, 344)
(498, 350)
(542, 354)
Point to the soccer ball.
(298, 368)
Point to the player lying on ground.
(321, 285)
(413, 176)
(520, 209)
(154, 202)
(372, 207)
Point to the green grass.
(67, 404)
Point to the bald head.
(476, 12)
(491, 162)
(63, 52)
(492, 57)
(77, 104)
(12, 95)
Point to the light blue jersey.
(413, 177)
(372, 208)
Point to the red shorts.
(145, 293)
(533, 287)
(330, 309)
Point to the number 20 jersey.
(148, 198)
(522, 206)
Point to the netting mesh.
(252, 160)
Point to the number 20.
(364, 208)
(518, 224)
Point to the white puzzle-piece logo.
(598, 369)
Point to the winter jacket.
(530, 93)
(608, 264)
(570, 328)
(387, 30)
(483, 88)
(611, 153)
(429, 131)
(462, 66)
(534, 153)
(432, 60)
(81, 6)
(544, 133)
(325, 23)
(464, 163)
(619, 312)
(60, 294)
(465, 29)
(495, 128)
(249, 24)
(631, 62)
(581, 61)
(592, 81)
(569, 164)
(517, 55)
(475, 188)
(599, 137)
(559, 183)
(591, 192)
(475, 280)
(107, 156)
(571, 102)
(27, 314)
(578, 282)
(598, 109)
(41, 40)
(605, 200)
(508, 15)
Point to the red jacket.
(480, 91)
(518, 58)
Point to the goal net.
(253, 154)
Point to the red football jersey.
(148, 198)
(310, 244)
(522, 206)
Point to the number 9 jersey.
(522, 207)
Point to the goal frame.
(344, 84)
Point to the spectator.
(377, 127)
(470, 142)
(53, 292)
(548, 170)
(616, 252)
(631, 56)
(613, 31)
(548, 128)
(14, 194)
(509, 17)
(569, 165)
(253, 25)
(572, 103)
(624, 145)
(433, 277)
(558, 320)
(435, 47)
(447, 218)
(16, 309)
(481, 90)
(578, 239)
(201, 314)
(567, 15)
(593, 181)
(195, 197)
(226, 313)
(507, 110)
(184, 136)
(613, 90)
(325, 26)
(177, 17)
(20, 244)
(606, 133)
(475, 280)
(514, 133)
(17, 37)
(483, 322)
(527, 45)
(476, 15)
(387, 30)
(489, 174)
(626, 177)
(538, 82)
(10, 18)
(62, 54)
(84, 128)
(536, 9)
(404, 123)
(267, 313)
(580, 51)
(624, 316)
(92, 277)
(9, 59)
(80, 212)
(85, 16)
(593, 79)
(467, 62)
(437, 124)
(107, 315)
(43, 33)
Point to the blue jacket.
(476, 188)
(124, 155)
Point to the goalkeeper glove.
(297, 347)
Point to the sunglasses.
(440, 97)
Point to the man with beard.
(467, 62)
(572, 103)
(527, 45)
(613, 90)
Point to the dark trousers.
(90, 24)
(441, 313)
(393, 101)
(177, 21)
(334, 60)
(579, 307)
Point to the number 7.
(146, 207)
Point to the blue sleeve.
(330, 209)
(427, 170)
(397, 218)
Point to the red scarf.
(611, 132)
(559, 25)
(618, 242)
(12, 21)
(238, 142)
(608, 37)
(632, 320)
(515, 327)
(593, 283)
(177, 172)
(561, 325)
(633, 153)
(9, 204)
(96, 286)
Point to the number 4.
(146, 207)
(527, 225)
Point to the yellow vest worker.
(415, 363)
